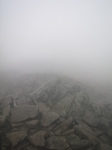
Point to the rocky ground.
(47, 112)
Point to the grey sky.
(72, 36)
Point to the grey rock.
(6, 111)
(37, 139)
(42, 107)
(68, 132)
(2, 120)
(105, 139)
(22, 113)
(91, 119)
(57, 143)
(16, 137)
(104, 147)
(48, 118)
(31, 148)
(84, 132)
(64, 125)
(31, 123)
(104, 122)
(77, 143)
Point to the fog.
(72, 37)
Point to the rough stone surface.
(49, 112)
(48, 118)
(16, 137)
(105, 147)
(42, 107)
(68, 132)
(23, 113)
(64, 125)
(57, 143)
(2, 120)
(31, 123)
(83, 132)
(37, 139)
(77, 143)
(90, 118)
(31, 148)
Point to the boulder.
(103, 146)
(31, 148)
(31, 123)
(64, 125)
(6, 111)
(104, 123)
(85, 132)
(68, 132)
(63, 106)
(22, 145)
(37, 139)
(48, 118)
(57, 143)
(42, 107)
(90, 148)
(76, 143)
(91, 119)
(15, 125)
(2, 120)
(22, 113)
(16, 137)
(109, 132)
(104, 138)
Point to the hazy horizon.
(68, 37)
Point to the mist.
(67, 37)
(56, 75)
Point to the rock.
(3, 148)
(32, 131)
(90, 148)
(105, 139)
(57, 143)
(6, 110)
(109, 132)
(69, 148)
(31, 123)
(16, 137)
(80, 104)
(37, 139)
(22, 113)
(14, 125)
(51, 126)
(42, 107)
(68, 132)
(48, 118)
(61, 119)
(63, 106)
(2, 120)
(58, 132)
(64, 125)
(84, 132)
(22, 101)
(76, 143)
(31, 148)
(103, 146)
(104, 122)
(22, 145)
(98, 132)
(7, 101)
(54, 102)
(90, 118)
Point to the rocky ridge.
(47, 112)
